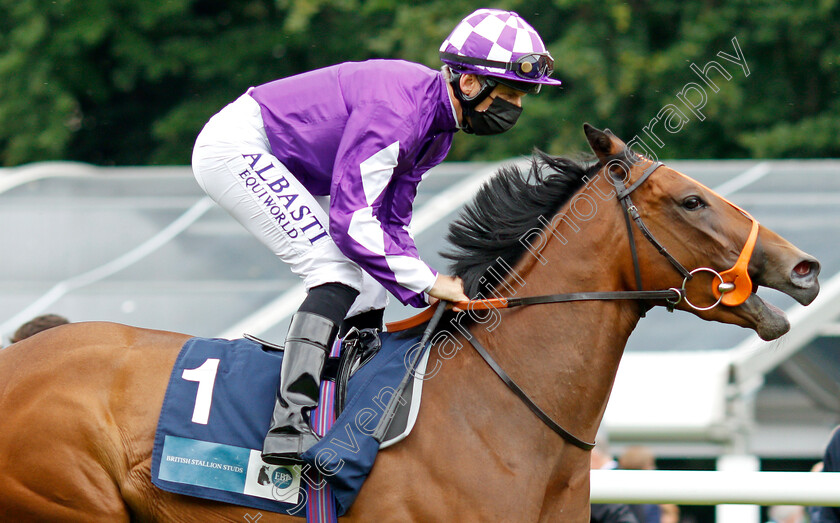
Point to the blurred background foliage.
(131, 82)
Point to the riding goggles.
(532, 66)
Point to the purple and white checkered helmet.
(492, 42)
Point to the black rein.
(671, 296)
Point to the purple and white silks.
(365, 133)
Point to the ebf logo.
(281, 477)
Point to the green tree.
(132, 81)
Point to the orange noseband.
(736, 286)
(738, 274)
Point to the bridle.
(734, 288)
(735, 284)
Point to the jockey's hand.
(449, 288)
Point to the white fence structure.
(687, 487)
(713, 487)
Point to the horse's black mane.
(489, 229)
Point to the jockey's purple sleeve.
(365, 133)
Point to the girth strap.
(565, 434)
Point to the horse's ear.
(603, 143)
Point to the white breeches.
(233, 164)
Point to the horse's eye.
(692, 203)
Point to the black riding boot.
(307, 345)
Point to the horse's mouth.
(796, 278)
(768, 321)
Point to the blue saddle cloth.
(218, 407)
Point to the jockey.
(323, 168)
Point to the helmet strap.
(469, 103)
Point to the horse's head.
(701, 229)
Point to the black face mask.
(498, 118)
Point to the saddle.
(219, 402)
(358, 347)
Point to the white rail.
(688, 487)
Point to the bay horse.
(79, 403)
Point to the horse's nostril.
(806, 268)
(802, 268)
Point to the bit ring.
(721, 287)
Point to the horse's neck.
(568, 353)
(565, 356)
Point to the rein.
(734, 288)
